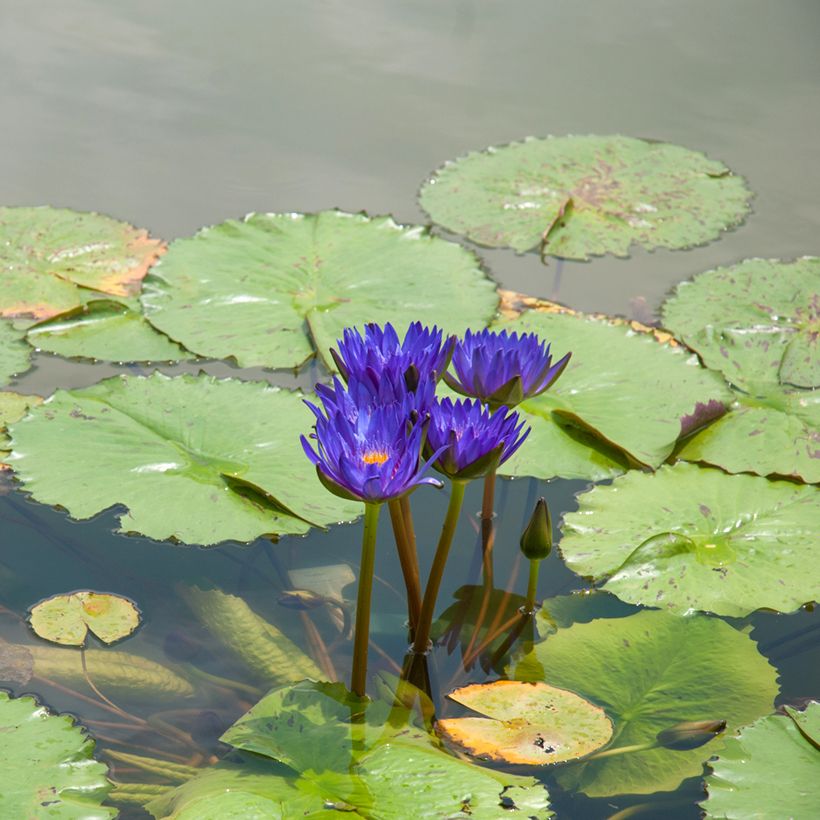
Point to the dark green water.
(176, 115)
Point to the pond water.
(173, 116)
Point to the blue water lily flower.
(471, 440)
(389, 389)
(501, 368)
(368, 452)
(424, 353)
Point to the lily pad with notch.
(651, 671)
(580, 196)
(50, 258)
(690, 538)
(193, 458)
(273, 290)
(67, 619)
(526, 723)
(15, 353)
(13, 406)
(624, 400)
(769, 770)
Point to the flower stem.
(488, 501)
(532, 586)
(407, 516)
(437, 570)
(409, 563)
(358, 680)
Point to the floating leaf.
(370, 757)
(47, 765)
(689, 538)
(48, 254)
(67, 619)
(622, 392)
(581, 196)
(120, 674)
(194, 458)
(769, 771)
(13, 406)
(272, 290)
(107, 331)
(259, 645)
(758, 322)
(778, 435)
(651, 671)
(526, 723)
(14, 352)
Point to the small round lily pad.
(581, 196)
(526, 723)
(67, 619)
(48, 256)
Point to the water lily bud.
(690, 734)
(536, 540)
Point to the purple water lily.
(389, 388)
(501, 368)
(467, 440)
(368, 452)
(423, 354)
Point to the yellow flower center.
(374, 457)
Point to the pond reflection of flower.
(502, 368)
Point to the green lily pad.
(47, 765)
(272, 290)
(526, 723)
(49, 255)
(371, 758)
(581, 196)
(651, 671)
(757, 322)
(13, 406)
(67, 619)
(769, 771)
(778, 435)
(193, 458)
(105, 330)
(622, 392)
(15, 354)
(690, 538)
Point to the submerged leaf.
(581, 196)
(194, 458)
(651, 671)
(280, 288)
(769, 771)
(623, 399)
(48, 254)
(526, 723)
(67, 619)
(689, 538)
(47, 765)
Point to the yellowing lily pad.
(526, 723)
(67, 619)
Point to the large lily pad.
(47, 767)
(15, 354)
(625, 397)
(582, 196)
(758, 322)
(105, 330)
(13, 406)
(651, 671)
(372, 759)
(272, 290)
(778, 435)
(193, 458)
(769, 771)
(690, 538)
(49, 255)
(526, 723)
(67, 619)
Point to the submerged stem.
(409, 563)
(437, 570)
(358, 679)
